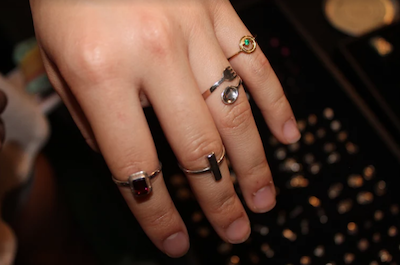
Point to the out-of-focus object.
(8, 244)
(32, 73)
(382, 46)
(358, 17)
(27, 57)
(26, 132)
(373, 63)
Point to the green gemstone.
(246, 42)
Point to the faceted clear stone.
(230, 95)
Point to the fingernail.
(176, 245)
(264, 199)
(290, 131)
(238, 231)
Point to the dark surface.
(309, 15)
(379, 74)
(6, 63)
(15, 26)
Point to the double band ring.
(227, 75)
(213, 168)
(247, 44)
(230, 93)
(139, 182)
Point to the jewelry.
(228, 75)
(139, 182)
(213, 168)
(247, 45)
(231, 93)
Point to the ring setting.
(231, 93)
(139, 182)
(247, 45)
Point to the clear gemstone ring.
(231, 93)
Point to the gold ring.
(247, 45)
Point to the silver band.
(227, 75)
(213, 168)
(139, 182)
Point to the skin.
(3, 104)
(107, 59)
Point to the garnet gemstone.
(140, 184)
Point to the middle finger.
(191, 131)
(236, 126)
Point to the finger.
(237, 128)
(69, 100)
(192, 134)
(114, 112)
(258, 76)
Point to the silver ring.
(247, 44)
(227, 75)
(139, 182)
(213, 168)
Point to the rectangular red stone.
(140, 184)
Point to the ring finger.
(259, 77)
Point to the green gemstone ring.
(247, 44)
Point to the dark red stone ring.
(139, 182)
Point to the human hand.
(3, 104)
(107, 58)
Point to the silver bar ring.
(213, 168)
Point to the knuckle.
(197, 151)
(225, 204)
(279, 104)
(238, 116)
(162, 217)
(157, 34)
(261, 68)
(257, 171)
(92, 60)
(128, 162)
